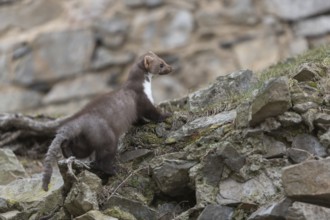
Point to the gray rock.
(276, 210)
(323, 118)
(257, 190)
(113, 32)
(272, 99)
(304, 93)
(269, 52)
(307, 72)
(295, 9)
(216, 212)
(270, 124)
(309, 117)
(289, 118)
(23, 15)
(201, 123)
(225, 86)
(14, 98)
(172, 176)
(298, 155)
(134, 154)
(304, 211)
(179, 30)
(8, 1)
(308, 182)
(58, 60)
(137, 209)
(10, 167)
(309, 143)
(95, 215)
(325, 139)
(140, 3)
(313, 26)
(166, 29)
(83, 194)
(4, 206)
(84, 86)
(273, 148)
(104, 58)
(28, 195)
(231, 158)
(304, 107)
(14, 214)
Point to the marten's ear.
(147, 61)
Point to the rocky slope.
(245, 147)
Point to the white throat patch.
(147, 88)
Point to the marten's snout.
(166, 70)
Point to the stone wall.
(57, 54)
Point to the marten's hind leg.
(105, 156)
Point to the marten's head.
(155, 65)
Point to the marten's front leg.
(152, 113)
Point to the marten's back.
(116, 110)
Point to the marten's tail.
(51, 156)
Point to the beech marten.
(98, 126)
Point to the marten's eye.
(161, 65)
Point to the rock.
(104, 58)
(28, 195)
(288, 119)
(23, 15)
(87, 11)
(270, 124)
(52, 59)
(307, 72)
(83, 194)
(7, 1)
(276, 210)
(163, 30)
(313, 27)
(168, 211)
(95, 215)
(298, 155)
(10, 167)
(168, 88)
(172, 176)
(138, 210)
(14, 214)
(216, 212)
(309, 143)
(205, 66)
(269, 53)
(272, 99)
(84, 86)
(14, 98)
(295, 9)
(240, 12)
(213, 163)
(257, 190)
(322, 120)
(325, 139)
(298, 46)
(304, 107)
(225, 86)
(273, 148)
(304, 211)
(134, 154)
(201, 123)
(112, 32)
(139, 3)
(308, 182)
(304, 93)
(309, 117)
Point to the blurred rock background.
(57, 54)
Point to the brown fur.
(97, 127)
